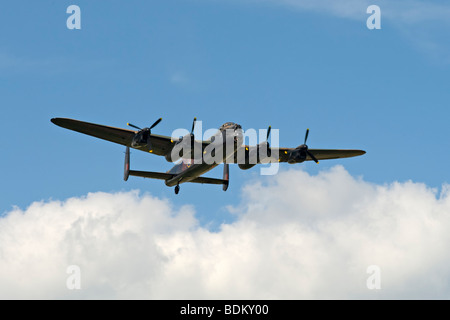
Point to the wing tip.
(56, 121)
(63, 122)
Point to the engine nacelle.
(264, 152)
(169, 157)
(255, 155)
(245, 166)
(297, 156)
(141, 138)
(183, 148)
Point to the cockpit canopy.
(229, 126)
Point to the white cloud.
(296, 236)
(425, 24)
(404, 11)
(354, 9)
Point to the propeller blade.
(149, 144)
(132, 125)
(155, 124)
(306, 135)
(268, 151)
(268, 133)
(193, 125)
(312, 156)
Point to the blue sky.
(309, 232)
(257, 63)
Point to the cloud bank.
(296, 236)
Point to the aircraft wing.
(209, 180)
(117, 135)
(166, 176)
(161, 144)
(151, 175)
(320, 154)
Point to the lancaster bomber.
(199, 157)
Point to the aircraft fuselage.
(229, 134)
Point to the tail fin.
(226, 176)
(126, 172)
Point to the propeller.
(132, 125)
(304, 147)
(267, 142)
(148, 129)
(155, 124)
(193, 126)
(191, 134)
